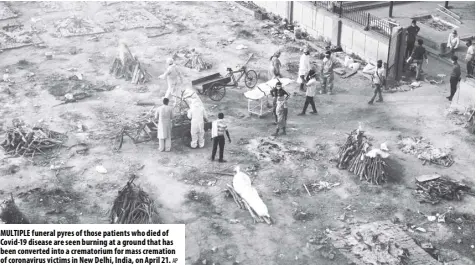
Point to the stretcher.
(258, 103)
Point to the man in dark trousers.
(455, 77)
(378, 80)
(219, 129)
(412, 32)
(311, 84)
(417, 56)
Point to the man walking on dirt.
(455, 77)
(418, 55)
(378, 80)
(327, 73)
(310, 93)
(219, 129)
(412, 32)
(164, 115)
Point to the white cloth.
(311, 88)
(453, 41)
(304, 66)
(379, 76)
(197, 129)
(164, 115)
(470, 53)
(214, 129)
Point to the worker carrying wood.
(327, 73)
(197, 129)
(275, 66)
(164, 115)
(304, 68)
(173, 75)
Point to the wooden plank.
(424, 178)
(450, 12)
(206, 78)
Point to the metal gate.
(396, 52)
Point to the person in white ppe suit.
(173, 76)
(197, 129)
(304, 68)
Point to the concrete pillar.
(336, 31)
(390, 9)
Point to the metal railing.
(370, 22)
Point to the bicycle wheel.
(216, 91)
(251, 78)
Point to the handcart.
(215, 85)
(258, 98)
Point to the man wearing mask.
(197, 129)
(304, 68)
(173, 75)
(412, 32)
(327, 73)
(455, 77)
(378, 80)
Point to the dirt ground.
(216, 230)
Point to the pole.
(340, 9)
(446, 4)
(390, 10)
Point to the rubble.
(6, 12)
(16, 36)
(127, 66)
(425, 151)
(23, 140)
(357, 156)
(433, 190)
(128, 19)
(133, 206)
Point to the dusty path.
(169, 177)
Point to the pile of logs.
(133, 206)
(11, 214)
(196, 62)
(434, 190)
(354, 156)
(20, 140)
(129, 67)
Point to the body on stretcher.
(258, 97)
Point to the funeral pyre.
(133, 206)
(11, 214)
(127, 66)
(425, 151)
(22, 140)
(357, 156)
(432, 189)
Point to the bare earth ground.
(82, 195)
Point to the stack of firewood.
(133, 206)
(129, 67)
(354, 156)
(20, 140)
(196, 62)
(434, 190)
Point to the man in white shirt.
(378, 80)
(197, 128)
(310, 93)
(304, 68)
(470, 59)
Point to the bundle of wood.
(133, 206)
(435, 188)
(11, 214)
(129, 67)
(196, 62)
(470, 123)
(20, 140)
(425, 151)
(355, 156)
(246, 197)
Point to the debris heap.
(128, 67)
(425, 151)
(21, 140)
(195, 62)
(433, 190)
(11, 214)
(357, 157)
(133, 206)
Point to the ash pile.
(425, 151)
(435, 188)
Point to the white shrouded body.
(242, 186)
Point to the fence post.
(368, 21)
(340, 9)
(446, 4)
(390, 10)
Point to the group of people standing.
(164, 116)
